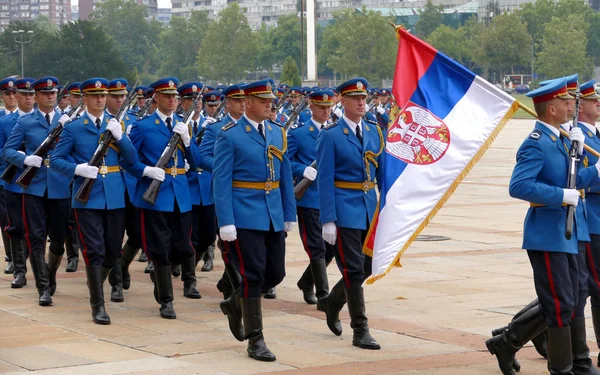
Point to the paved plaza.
(431, 317)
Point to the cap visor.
(356, 94)
(169, 92)
(265, 96)
(117, 92)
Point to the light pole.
(20, 33)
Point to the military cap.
(140, 90)
(167, 85)
(220, 88)
(234, 92)
(212, 97)
(46, 84)
(279, 92)
(354, 87)
(190, 89)
(208, 88)
(322, 97)
(148, 93)
(284, 86)
(73, 88)
(117, 86)
(588, 90)
(295, 90)
(94, 86)
(25, 85)
(385, 91)
(262, 89)
(555, 89)
(8, 84)
(571, 82)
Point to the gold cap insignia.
(325, 97)
(98, 84)
(171, 84)
(359, 85)
(28, 84)
(11, 83)
(194, 88)
(119, 85)
(140, 92)
(268, 86)
(213, 97)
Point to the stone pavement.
(431, 317)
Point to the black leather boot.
(224, 286)
(10, 267)
(95, 281)
(42, 283)
(252, 313)
(127, 255)
(521, 330)
(209, 256)
(150, 267)
(188, 276)
(270, 293)
(560, 354)
(332, 305)
(143, 258)
(307, 286)
(175, 270)
(72, 249)
(499, 331)
(19, 256)
(115, 279)
(358, 318)
(231, 306)
(164, 287)
(319, 273)
(53, 265)
(582, 363)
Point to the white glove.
(338, 112)
(310, 173)
(380, 109)
(21, 152)
(154, 173)
(183, 131)
(571, 197)
(187, 165)
(115, 128)
(128, 129)
(330, 233)
(209, 120)
(598, 168)
(86, 171)
(288, 226)
(64, 119)
(576, 135)
(228, 233)
(33, 161)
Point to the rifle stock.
(304, 184)
(296, 112)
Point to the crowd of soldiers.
(179, 167)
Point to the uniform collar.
(552, 128)
(351, 124)
(93, 118)
(566, 126)
(317, 124)
(589, 127)
(164, 117)
(253, 123)
(23, 113)
(51, 114)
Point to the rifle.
(83, 193)
(283, 99)
(574, 162)
(62, 93)
(152, 191)
(304, 184)
(296, 112)
(369, 105)
(146, 108)
(25, 178)
(219, 110)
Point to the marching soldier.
(302, 143)
(45, 202)
(101, 220)
(13, 192)
(64, 105)
(140, 100)
(9, 98)
(74, 94)
(349, 159)
(255, 205)
(166, 224)
(540, 177)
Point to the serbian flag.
(446, 118)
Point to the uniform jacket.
(592, 194)
(199, 179)
(302, 151)
(7, 123)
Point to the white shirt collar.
(590, 127)
(253, 123)
(232, 119)
(7, 112)
(23, 113)
(552, 128)
(93, 118)
(51, 114)
(566, 126)
(351, 124)
(317, 124)
(163, 117)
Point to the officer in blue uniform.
(101, 220)
(140, 100)
(255, 205)
(349, 156)
(9, 98)
(13, 192)
(540, 177)
(166, 224)
(302, 146)
(63, 105)
(305, 115)
(46, 199)
(74, 94)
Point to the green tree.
(290, 73)
(228, 50)
(180, 43)
(372, 56)
(452, 42)
(44, 35)
(563, 49)
(430, 18)
(265, 57)
(285, 38)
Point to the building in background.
(163, 15)
(57, 11)
(86, 7)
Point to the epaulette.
(371, 122)
(276, 123)
(333, 124)
(536, 134)
(228, 126)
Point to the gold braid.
(273, 150)
(371, 156)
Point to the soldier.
(540, 177)
(74, 94)
(349, 159)
(166, 224)
(9, 98)
(13, 192)
(64, 105)
(101, 220)
(302, 144)
(46, 200)
(140, 100)
(255, 205)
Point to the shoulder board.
(371, 122)
(536, 134)
(330, 125)
(228, 126)
(274, 123)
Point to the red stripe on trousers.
(24, 214)
(343, 260)
(242, 270)
(304, 234)
(553, 289)
(85, 257)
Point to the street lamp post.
(20, 33)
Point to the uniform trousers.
(311, 235)
(3, 209)
(132, 224)
(259, 257)
(557, 279)
(593, 264)
(349, 255)
(14, 213)
(166, 236)
(101, 235)
(204, 227)
(42, 218)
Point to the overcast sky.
(164, 3)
